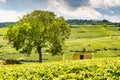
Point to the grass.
(100, 42)
(91, 32)
(104, 39)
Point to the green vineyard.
(94, 69)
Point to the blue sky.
(11, 10)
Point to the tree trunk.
(39, 49)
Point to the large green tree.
(37, 30)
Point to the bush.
(11, 61)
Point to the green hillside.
(103, 40)
(92, 31)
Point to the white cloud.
(113, 18)
(104, 3)
(3, 1)
(9, 15)
(85, 12)
(80, 12)
(112, 12)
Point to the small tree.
(37, 30)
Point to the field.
(93, 69)
(103, 41)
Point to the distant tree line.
(78, 22)
(3, 24)
(92, 22)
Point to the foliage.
(84, 22)
(95, 69)
(37, 30)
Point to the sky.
(13, 10)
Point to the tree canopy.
(37, 30)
